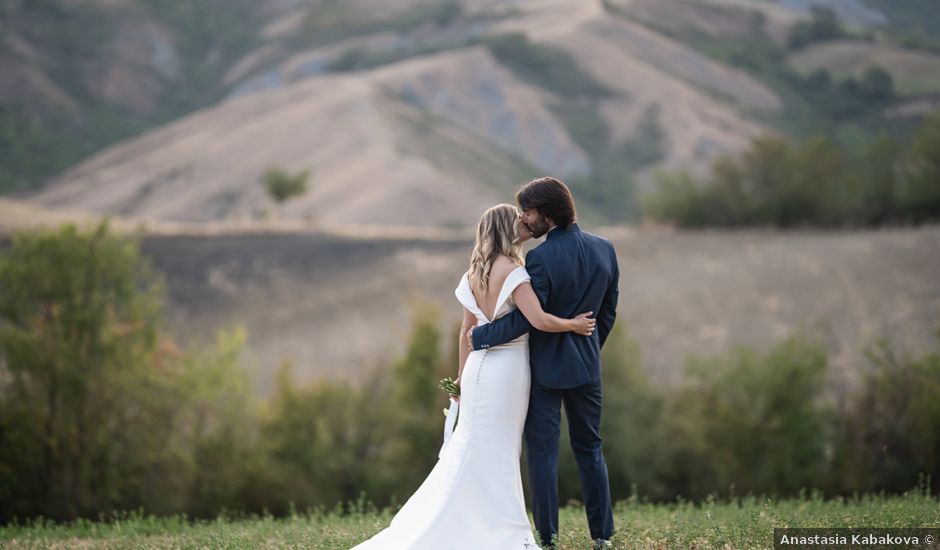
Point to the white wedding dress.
(473, 499)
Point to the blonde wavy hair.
(496, 234)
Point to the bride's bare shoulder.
(502, 266)
(505, 262)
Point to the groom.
(572, 271)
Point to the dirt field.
(340, 304)
(339, 300)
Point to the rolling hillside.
(426, 141)
(427, 110)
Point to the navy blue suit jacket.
(572, 272)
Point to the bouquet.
(451, 388)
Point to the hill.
(441, 127)
(427, 141)
(452, 102)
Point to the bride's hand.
(584, 324)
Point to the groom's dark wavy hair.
(551, 198)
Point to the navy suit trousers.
(542, 430)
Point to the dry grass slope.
(367, 169)
(340, 304)
(338, 300)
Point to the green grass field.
(747, 522)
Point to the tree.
(878, 181)
(750, 422)
(282, 186)
(813, 182)
(823, 25)
(632, 422)
(678, 197)
(416, 378)
(920, 190)
(890, 430)
(216, 417)
(817, 190)
(328, 442)
(78, 315)
(877, 85)
(766, 168)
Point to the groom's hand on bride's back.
(470, 339)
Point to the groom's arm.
(608, 312)
(514, 324)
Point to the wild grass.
(742, 522)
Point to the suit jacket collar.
(556, 231)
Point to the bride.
(473, 499)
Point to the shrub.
(814, 182)
(890, 434)
(282, 185)
(823, 25)
(750, 422)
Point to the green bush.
(97, 411)
(419, 422)
(330, 441)
(773, 182)
(750, 423)
(215, 426)
(890, 434)
(878, 182)
(327, 443)
(919, 187)
(100, 413)
(822, 26)
(846, 99)
(814, 182)
(633, 422)
(78, 314)
(282, 186)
